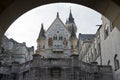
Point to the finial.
(71, 19)
(42, 31)
(70, 9)
(58, 14)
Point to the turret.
(73, 40)
(41, 42)
(42, 32)
(70, 23)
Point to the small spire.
(58, 14)
(42, 31)
(42, 26)
(71, 19)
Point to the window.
(108, 62)
(55, 37)
(95, 52)
(106, 31)
(116, 62)
(60, 38)
(111, 26)
(92, 55)
(99, 49)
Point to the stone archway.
(10, 10)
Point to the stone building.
(105, 47)
(12, 51)
(57, 57)
(59, 41)
(85, 41)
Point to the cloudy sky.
(27, 27)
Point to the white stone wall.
(110, 46)
(57, 29)
(14, 51)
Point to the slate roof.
(42, 32)
(71, 19)
(86, 36)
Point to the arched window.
(108, 62)
(116, 62)
(106, 31)
(95, 52)
(99, 49)
(60, 38)
(92, 55)
(55, 37)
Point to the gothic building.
(59, 41)
(56, 58)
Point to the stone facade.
(59, 41)
(55, 69)
(12, 51)
(56, 58)
(104, 48)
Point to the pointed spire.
(57, 14)
(71, 19)
(42, 32)
(73, 34)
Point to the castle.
(56, 58)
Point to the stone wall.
(105, 47)
(55, 69)
(12, 51)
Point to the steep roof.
(57, 19)
(42, 32)
(70, 19)
(86, 36)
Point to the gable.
(57, 27)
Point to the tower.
(70, 24)
(73, 40)
(41, 42)
(72, 29)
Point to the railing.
(57, 49)
(51, 62)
